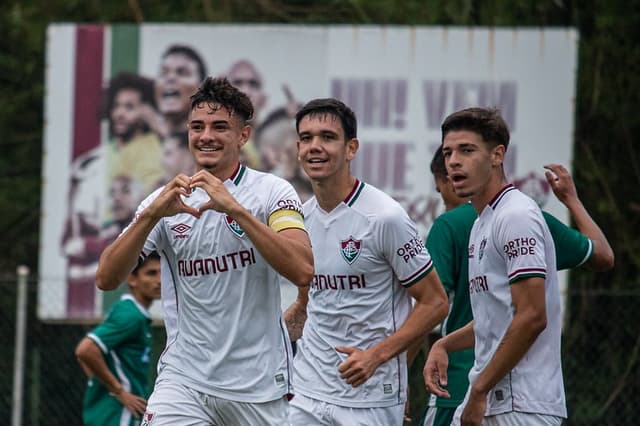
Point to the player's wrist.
(116, 392)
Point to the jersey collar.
(141, 308)
(238, 174)
(355, 193)
(500, 195)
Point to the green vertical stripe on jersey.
(356, 195)
(240, 174)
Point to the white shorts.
(172, 404)
(305, 411)
(513, 418)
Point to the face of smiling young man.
(322, 149)
(474, 166)
(215, 139)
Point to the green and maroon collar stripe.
(355, 193)
(237, 175)
(496, 200)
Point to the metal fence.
(601, 346)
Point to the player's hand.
(134, 403)
(435, 371)
(359, 365)
(561, 182)
(169, 202)
(473, 412)
(220, 198)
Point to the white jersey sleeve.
(155, 235)
(520, 240)
(403, 248)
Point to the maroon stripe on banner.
(88, 87)
(86, 136)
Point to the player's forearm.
(461, 339)
(602, 258)
(295, 317)
(520, 335)
(121, 256)
(289, 254)
(424, 317)
(90, 358)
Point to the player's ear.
(497, 155)
(352, 147)
(245, 134)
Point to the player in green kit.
(115, 355)
(448, 242)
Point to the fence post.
(19, 354)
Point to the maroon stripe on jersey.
(528, 271)
(235, 174)
(88, 88)
(417, 274)
(353, 191)
(496, 200)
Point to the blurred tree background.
(602, 332)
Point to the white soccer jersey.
(222, 301)
(366, 251)
(511, 241)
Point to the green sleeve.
(120, 325)
(439, 245)
(572, 248)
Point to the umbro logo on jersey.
(350, 249)
(180, 230)
(233, 225)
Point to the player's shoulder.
(128, 307)
(460, 216)
(511, 202)
(253, 177)
(375, 203)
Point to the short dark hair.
(179, 49)
(330, 106)
(154, 255)
(131, 81)
(487, 122)
(438, 169)
(220, 91)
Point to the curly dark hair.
(334, 107)
(487, 122)
(220, 91)
(127, 80)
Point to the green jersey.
(125, 340)
(448, 242)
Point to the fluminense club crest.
(233, 225)
(350, 249)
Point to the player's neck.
(331, 192)
(222, 173)
(492, 187)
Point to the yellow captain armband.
(285, 219)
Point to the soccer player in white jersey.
(225, 233)
(516, 378)
(350, 366)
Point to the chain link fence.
(601, 347)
